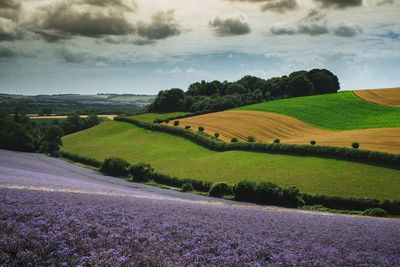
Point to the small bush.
(251, 139)
(166, 121)
(216, 135)
(187, 187)
(313, 143)
(277, 141)
(375, 212)
(44, 147)
(56, 154)
(157, 121)
(115, 167)
(176, 123)
(201, 129)
(220, 190)
(52, 147)
(245, 191)
(187, 127)
(355, 145)
(234, 140)
(141, 172)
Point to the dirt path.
(266, 127)
(385, 97)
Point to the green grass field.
(341, 111)
(150, 117)
(179, 157)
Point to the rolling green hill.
(341, 111)
(179, 157)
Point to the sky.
(142, 46)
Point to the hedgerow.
(268, 194)
(81, 159)
(333, 202)
(392, 160)
(261, 193)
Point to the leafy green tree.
(325, 82)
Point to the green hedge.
(81, 159)
(182, 116)
(263, 193)
(390, 160)
(361, 204)
(267, 194)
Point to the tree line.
(19, 133)
(216, 96)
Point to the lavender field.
(55, 213)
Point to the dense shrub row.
(391, 160)
(268, 194)
(261, 193)
(183, 116)
(392, 207)
(81, 159)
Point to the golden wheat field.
(266, 126)
(386, 97)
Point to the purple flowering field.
(54, 213)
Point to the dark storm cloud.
(63, 21)
(314, 23)
(12, 52)
(347, 30)
(10, 9)
(10, 31)
(230, 26)
(339, 4)
(10, 4)
(118, 4)
(280, 6)
(161, 26)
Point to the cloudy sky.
(143, 46)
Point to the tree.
(54, 133)
(300, 85)
(324, 81)
(92, 120)
(236, 88)
(168, 100)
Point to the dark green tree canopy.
(216, 96)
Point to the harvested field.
(386, 97)
(266, 127)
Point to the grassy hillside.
(150, 117)
(341, 111)
(182, 158)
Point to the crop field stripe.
(267, 126)
(182, 158)
(385, 97)
(340, 111)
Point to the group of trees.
(18, 132)
(216, 95)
